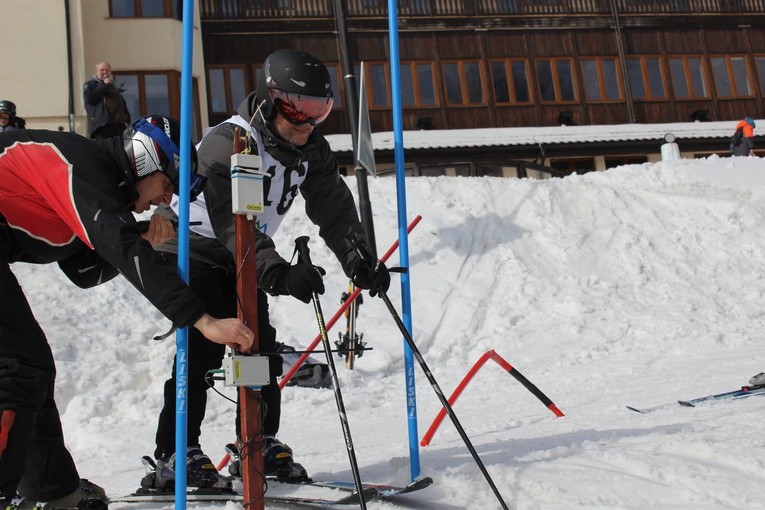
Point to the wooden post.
(251, 440)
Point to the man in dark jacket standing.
(108, 114)
(277, 121)
(70, 200)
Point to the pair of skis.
(744, 392)
(370, 492)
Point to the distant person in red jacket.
(742, 143)
(70, 200)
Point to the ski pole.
(331, 322)
(286, 378)
(428, 374)
(304, 257)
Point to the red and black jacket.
(67, 199)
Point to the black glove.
(299, 281)
(365, 277)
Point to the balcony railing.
(252, 9)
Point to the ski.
(743, 392)
(383, 490)
(226, 495)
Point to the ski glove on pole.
(299, 281)
(366, 277)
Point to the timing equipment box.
(241, 370)
(247, 184)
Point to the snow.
(635, 286)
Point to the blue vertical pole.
(182, 337)
(406, 301)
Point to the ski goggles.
(299, 109)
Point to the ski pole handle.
(303, 252)
(362, 252)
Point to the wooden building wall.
(250, 41)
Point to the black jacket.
(93, 92)
(328, 201)
(67, 199)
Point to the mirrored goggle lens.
(301, 109)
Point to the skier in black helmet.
(8, 119)
(293, 96)
(67, 199)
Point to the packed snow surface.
(636, 286)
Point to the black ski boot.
(277, 462)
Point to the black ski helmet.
(297, 85)
(8, 107)
(151, 144)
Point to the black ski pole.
(304, 257)
(428, 374)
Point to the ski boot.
(88, 496)
(312, 374)
(200, 472)
(757, 380)
(277, 462)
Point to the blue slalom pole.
(403, 239)
(182, 336)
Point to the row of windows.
(145, 8)
(509, 81)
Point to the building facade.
(512, 63)
(464, 64)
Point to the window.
(227, 86)
(731, 76)
(576, 165)
(646, 78)
(417, 82)
(614, 161)
(156, 93)
(759, 63)
(463, 82)
(334, 69)
(601, 81)
(146, 8)
(377, 78)
(510, 81)
(556, 80)
(688, 77)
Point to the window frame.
(171, 8)
(688, 77)
(553, 61)
(601, 78)
(226, 68)
(464, 83)
(759, 71)
(173, 95)
(507, 64)
(644, 75)
(413, 65)
(731, 76)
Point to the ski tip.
(685, 403)
(634, 409)
(368, 494)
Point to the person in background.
(108, 114)
(8, 119)
(70, 200)
(278, 122)
(742, 143)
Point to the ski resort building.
(488, 87)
